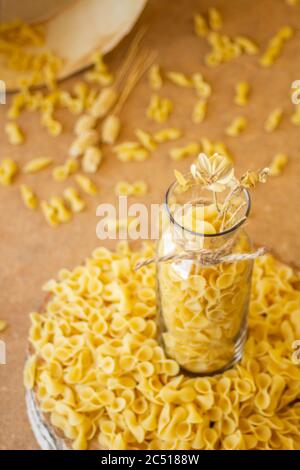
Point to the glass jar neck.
(190, 217)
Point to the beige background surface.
(31, 252)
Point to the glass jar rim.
(207, 235)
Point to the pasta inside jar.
(203, 302)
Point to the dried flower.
(251, 178)
(214, 173)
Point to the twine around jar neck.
(204, 257)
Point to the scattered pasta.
(155, 78)
(3, 325)
(74, 104)
(138, 188)
(295, 118)
(199, 111)
(200, 26)
(275, 46)
(242, 91)
(104, 102)
(223, 48)
(74, 200)
(159, 108)
(203, 89)
(63, 214)
(84, 124)
(278, 164)
(146, 140)
(14, 133)
(91, 159)
(54, 127)
(86, 185)
(189, 150)
(83, 142)
(247, 45)
(8, 170)
(131, 151)
(273, 120)
(180, 79)
(237, 126)
(167, 134)
(62, 172)
(100, 73)
(29, 198)
(214, 19)
(50, 214)
(111, 128)
(37, 164)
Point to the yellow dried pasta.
(295, 118)
(3, 325)
(189, 150)
(273, 120)
(49, 213)
(29, 197)
(74, 104)
(104, 102)
(86, 184)
(138, 188)
(74, 200)
(223, 47)
(237, 126)
(14, 133)
(63, 214)
(111, 128)
(37, 164)
(123, 188)
(62, 172)
(8, 170)
(203, 89)
(200, 328)
(278, 164)
(200, 26)
(167, 134)
(30, 371)
(53, 126)
(275, 46)
(91, 159)
(18, 103)
(100, 73)
(85, 123)
(146, 140)
(131, 151)
(247, 45)
(209, 148)
(155, 78)
(242, 91)
(83, 142)
(104, 353)
(199, 111)
(159, 108)
(214, 19)
(180, 79)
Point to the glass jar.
(202, 303)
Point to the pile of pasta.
(99, 374)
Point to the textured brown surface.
(31, 252)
